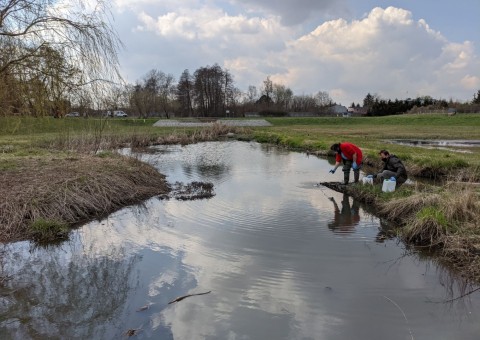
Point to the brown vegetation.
(41, 194)
(445, 220)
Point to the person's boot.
(346, 176)
(356, 176)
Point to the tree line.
(210, 91)
(60, 57)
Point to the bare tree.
(166, 93)
(154, 95)
(303, 103)
(322, 99)
(282, 96)
(252, 94)
(68, 44)
(267, 90)
(138, 99)
(185, 93)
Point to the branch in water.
(178, 299)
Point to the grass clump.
(428, 227)
(44, 230)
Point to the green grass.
(27, 136)
(43, 230)
(375, 133)
(27, 126)
(411, 120)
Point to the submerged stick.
(404, 316)
(457, 298)
(178, 299)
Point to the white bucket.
(367, 180)
(388, 185)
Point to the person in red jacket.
(351, 156)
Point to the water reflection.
(262, 246)
(67, 296)
(472, 146)
(346, 218)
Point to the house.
(357, 111)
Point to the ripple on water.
(284, 260)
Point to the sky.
(348, 48)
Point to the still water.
(283, 259)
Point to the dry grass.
(439, 213)
(40, 193)
(402, 209)
(445, 220)
(95, 141)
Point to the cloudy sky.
(396, 49)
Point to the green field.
(375, 133)
(33, 136)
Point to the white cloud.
(208, 24)
(296, 12)
(387, 52)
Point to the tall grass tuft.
(42, 230)
(427, 228)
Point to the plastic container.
(388, 185)
(367, 180)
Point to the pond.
(280, 257)
(459, 145)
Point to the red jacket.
(348, 149)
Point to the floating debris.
(190, 191)
(132, 332)
(178, 299)
(147, 306)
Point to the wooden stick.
(178, 299)
(396, 305)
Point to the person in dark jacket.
(352, 158)
(393, 167)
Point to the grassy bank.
(375, 133)
(41, 198)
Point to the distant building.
(338, 110)
(357, 111)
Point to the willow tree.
(60, 47)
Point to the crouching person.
(393, 167)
